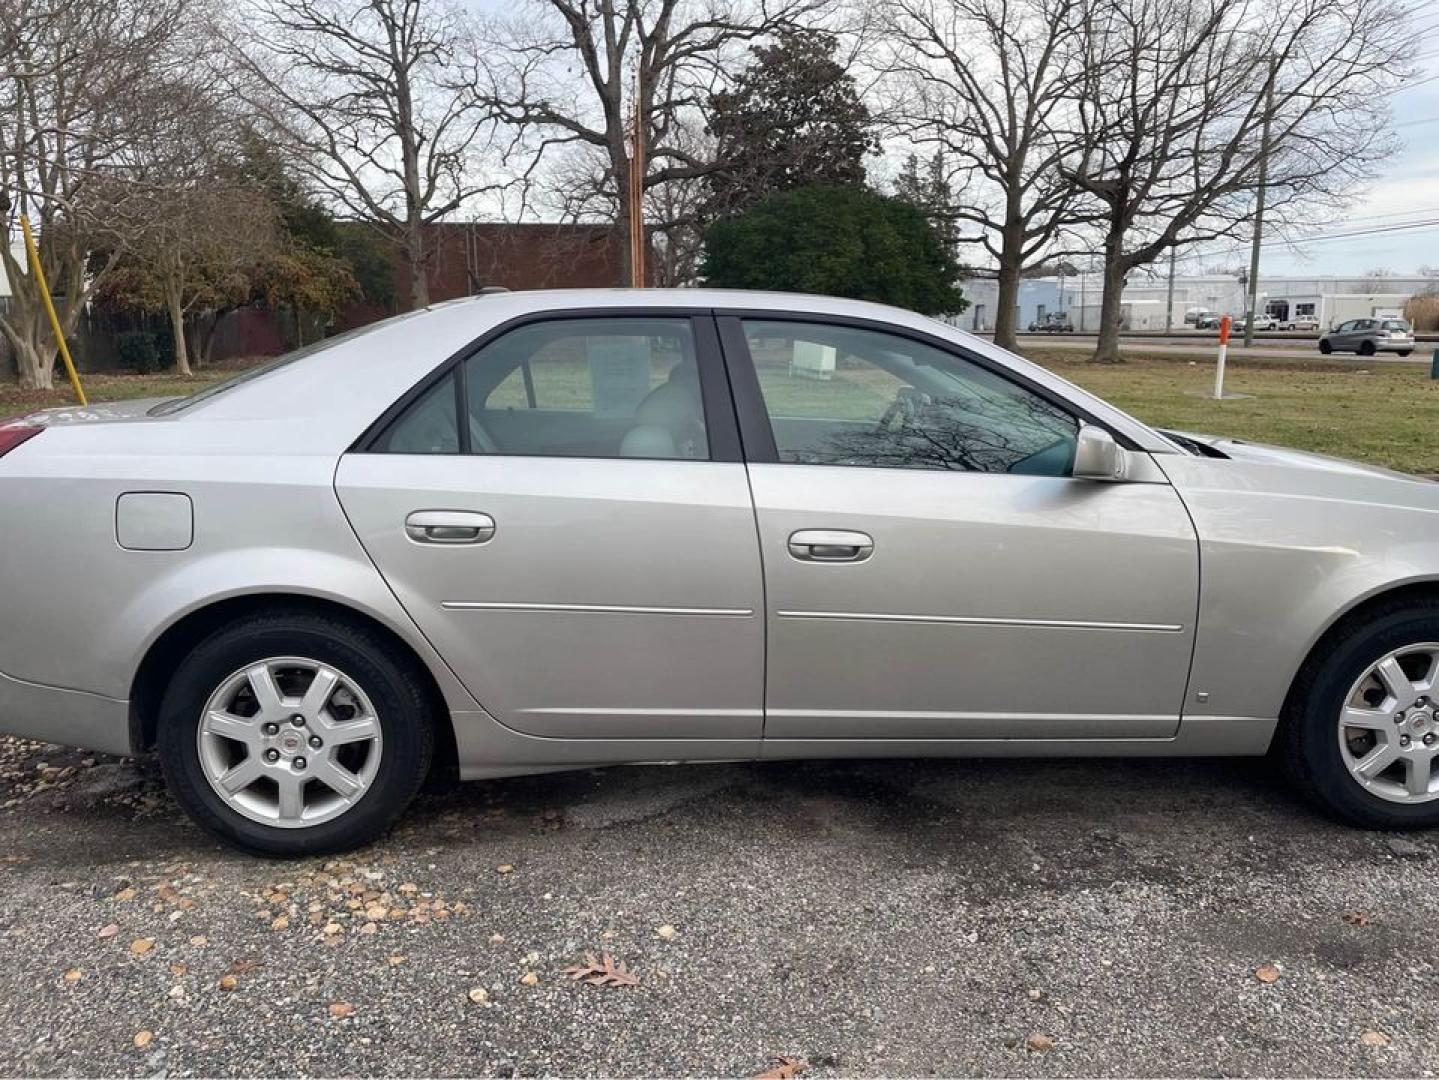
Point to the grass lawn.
(1383, 413)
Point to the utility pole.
(1259, 204)
(1169, 303)
(636, 193)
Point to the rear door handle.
(449, 527)
(830, 545)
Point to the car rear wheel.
(1366, 348)
(290, 733)
(1361, 734)
(1325, 348)
(1405, 352)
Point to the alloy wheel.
(289, 742)
(1389, 726)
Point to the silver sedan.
(542, 531)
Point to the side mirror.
(1097, 456)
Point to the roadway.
(1204, 344)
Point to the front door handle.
(830, 545)
(449, 527)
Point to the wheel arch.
(1390, 597)
(181, 636)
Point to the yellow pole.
(50, 309)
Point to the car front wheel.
(291, 733)
(1361, 734)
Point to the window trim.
(756, 431)
(717, 402)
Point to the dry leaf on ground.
(1356, 918)
(339, 1010)
(784, 1068)
(1267, 973)
(1039, 1043)
(606, 971)
(143, 1039)
(140, 946)
(1374, 1038)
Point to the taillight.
(12, 435)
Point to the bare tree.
(675, 51)
(79, 83)
(992, 82)
(377, 100)
(1191, 102)
(208, 228)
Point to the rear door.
(565, 515)
(932, 569)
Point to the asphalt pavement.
(1044, 918)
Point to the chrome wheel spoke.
(292, 797)
(1368, 719)
(1377, 760)
(360, 729)
(1419, 767)
(337, 778)
(238, 777)
(227, 726)
(318, 695)
(1398, 685)
(267, 694)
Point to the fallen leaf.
(480, 996)
(282, 923)
(1267, 973)
(125, 895)
(74, 975)
(784, 1068)
(1039, 1044)
(228, 982)
(397, 960)
(199, 941)
(1356, 918)
(668, 932)
(605, 971)
(505, 868)
(529, 978)
(369, 928)
(339, 1010)
(1374, 1038)
(376, 912)
(140, 946)
(239, 967)
(108, 931)
(143, 1039)
(497, 939)
(179, 970)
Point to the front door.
(932, 570)
(565, 516)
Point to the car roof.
(345, 384)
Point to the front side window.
(597, 388)
(844, 396)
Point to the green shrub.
(136, 349)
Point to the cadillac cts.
(541, 531)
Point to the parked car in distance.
(1261, 322)
(1209, 320)
(1056, 322)
(1193, 315)
(1301, 322)
(557, 530)
(1369, 336)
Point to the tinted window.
(841, 396)
(1394, 324)
(573, 388)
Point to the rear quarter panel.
(83, 611)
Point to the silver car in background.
(541, 531)
(1369, 336)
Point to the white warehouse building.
(1144, 305)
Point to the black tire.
(1405, 352)
(1307, 744)
(393, 685)
(1325, 347)
(1366, 348)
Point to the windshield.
(168, 408)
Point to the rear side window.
(592, 388)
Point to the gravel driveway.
(1022, 918)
